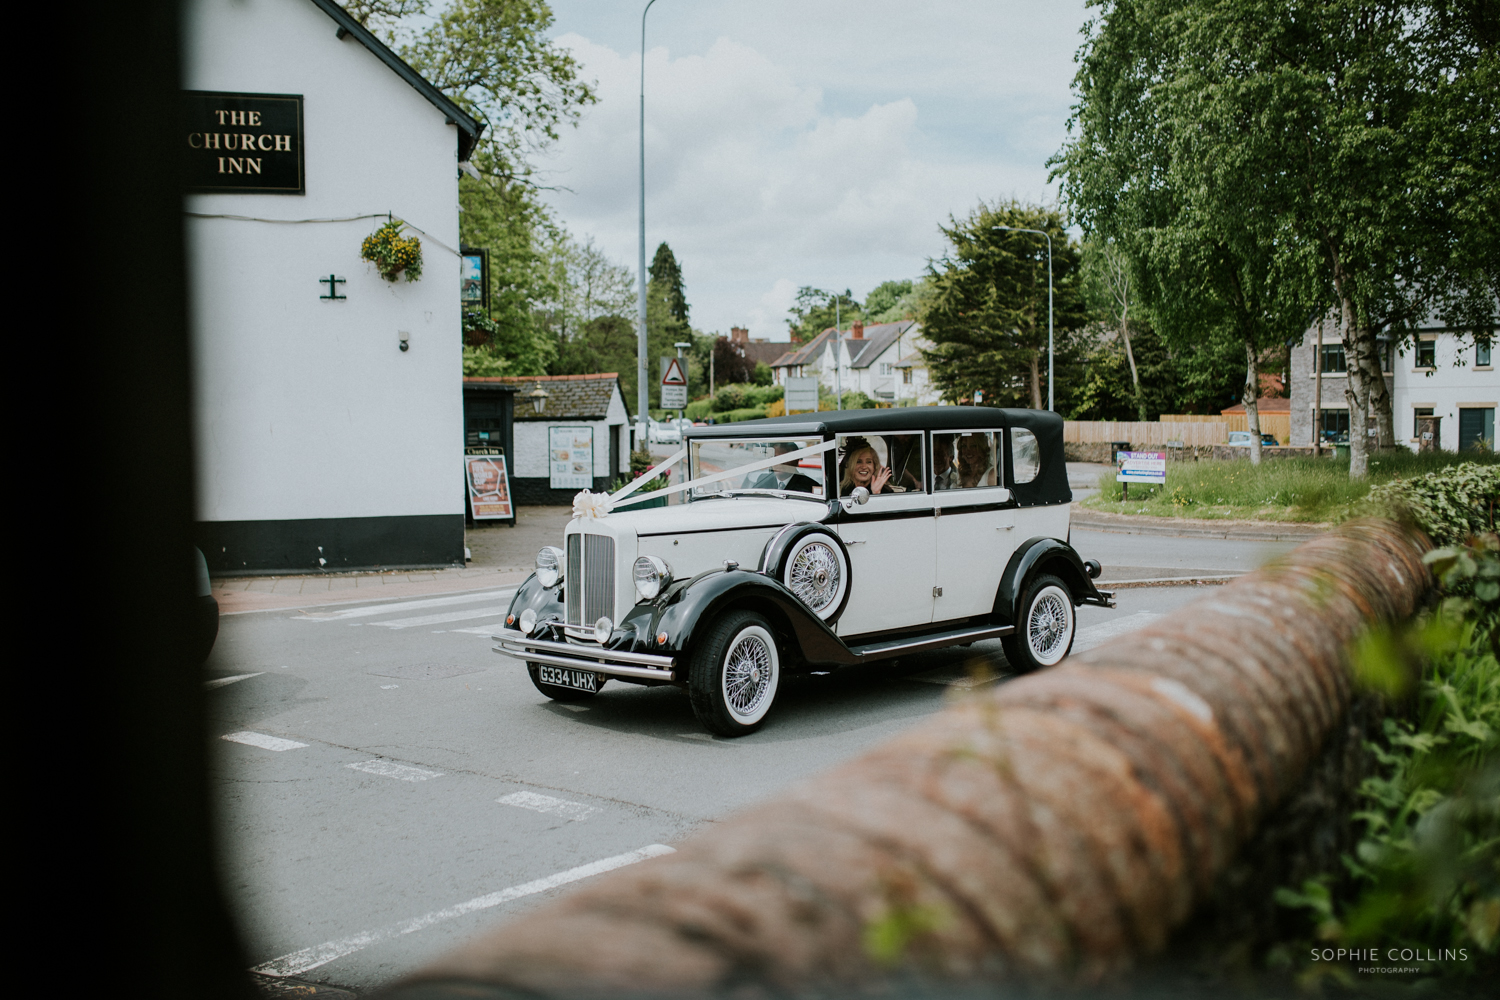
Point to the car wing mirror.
(859, 495)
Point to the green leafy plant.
(1449, 504)
(393, 254)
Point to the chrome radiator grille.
(591, 578)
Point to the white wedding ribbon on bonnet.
(587, 504)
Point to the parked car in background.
(820, 541)
(663, 431)
(1242, 439)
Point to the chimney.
(739, 335)
(859, 330)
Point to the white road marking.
(385, 609)
(574, 811)
(1098, 635)
(219, 682)
(307, 959)
(263, 741)
(451, 616)
(488, 631)
(389, 687)
(390, 769)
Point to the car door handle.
(855, 541)
(1005, 527)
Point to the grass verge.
(1282, 489)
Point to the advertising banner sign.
(802, 393)
(489, 486)
(570, 458)
(1142, 467)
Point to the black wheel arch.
(1042, 554)
(709, 596)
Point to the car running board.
(867, 652)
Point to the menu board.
(570, 458)
(489, 486)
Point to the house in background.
(588, 411)
(759, 350)
(883, 361)
(1446, 374)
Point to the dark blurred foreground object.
(1056, 828)
(205, 610)
(128, 847)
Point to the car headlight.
(652, 576)
(549, 566)
(602, 629)
(528, 621)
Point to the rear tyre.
(1045, 626)
(734, 674)
(553, 691)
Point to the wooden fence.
(1141, 434)
(1279, 424)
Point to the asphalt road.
(391, 786)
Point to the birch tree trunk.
(1355, 390)
(1036, 381)
(1251, 394)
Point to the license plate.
(578, 680)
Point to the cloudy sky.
(807, 142)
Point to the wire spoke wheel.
(816, 570)
(1047, 625)
(734, 674)
(747, 675)
(1044, 626)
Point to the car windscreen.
(709, 457)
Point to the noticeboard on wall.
(570, 458)
(243, 143)
(489, 487)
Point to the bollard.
(1056, 828)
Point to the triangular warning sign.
(673, 375)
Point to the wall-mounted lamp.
(538, 398)
(405, 339)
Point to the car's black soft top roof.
(906, 418)
(1049, 487)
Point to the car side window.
(881, 463)
(1025, 455)
(965, 460)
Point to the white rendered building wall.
(306, 408)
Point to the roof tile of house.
(569, 397)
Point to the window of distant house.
(1427, 352)
(1333, 359)
(906, 376)
(1482, 355)
(1417, 413)
(1387, 355)
(885, 369)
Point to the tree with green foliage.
(1319, 149)
(666, 275)
(816, 310)
(987, 315)
(1106, 284)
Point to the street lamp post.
(1018, 229)
(643, 388)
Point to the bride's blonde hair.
(852, 448)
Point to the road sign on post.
(1140, 467)
(802, 393)
(674, 384)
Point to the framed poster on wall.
(489, 487)
(570, 458)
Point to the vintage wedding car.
(810, 542)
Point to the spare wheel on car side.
(813, 565)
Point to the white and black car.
(819, 541)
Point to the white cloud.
(760, 186)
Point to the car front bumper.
(611, 662)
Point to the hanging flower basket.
(393, 254)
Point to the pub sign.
(243, 143)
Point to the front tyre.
(555, 691)
(734, 673)
(1044, 626)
